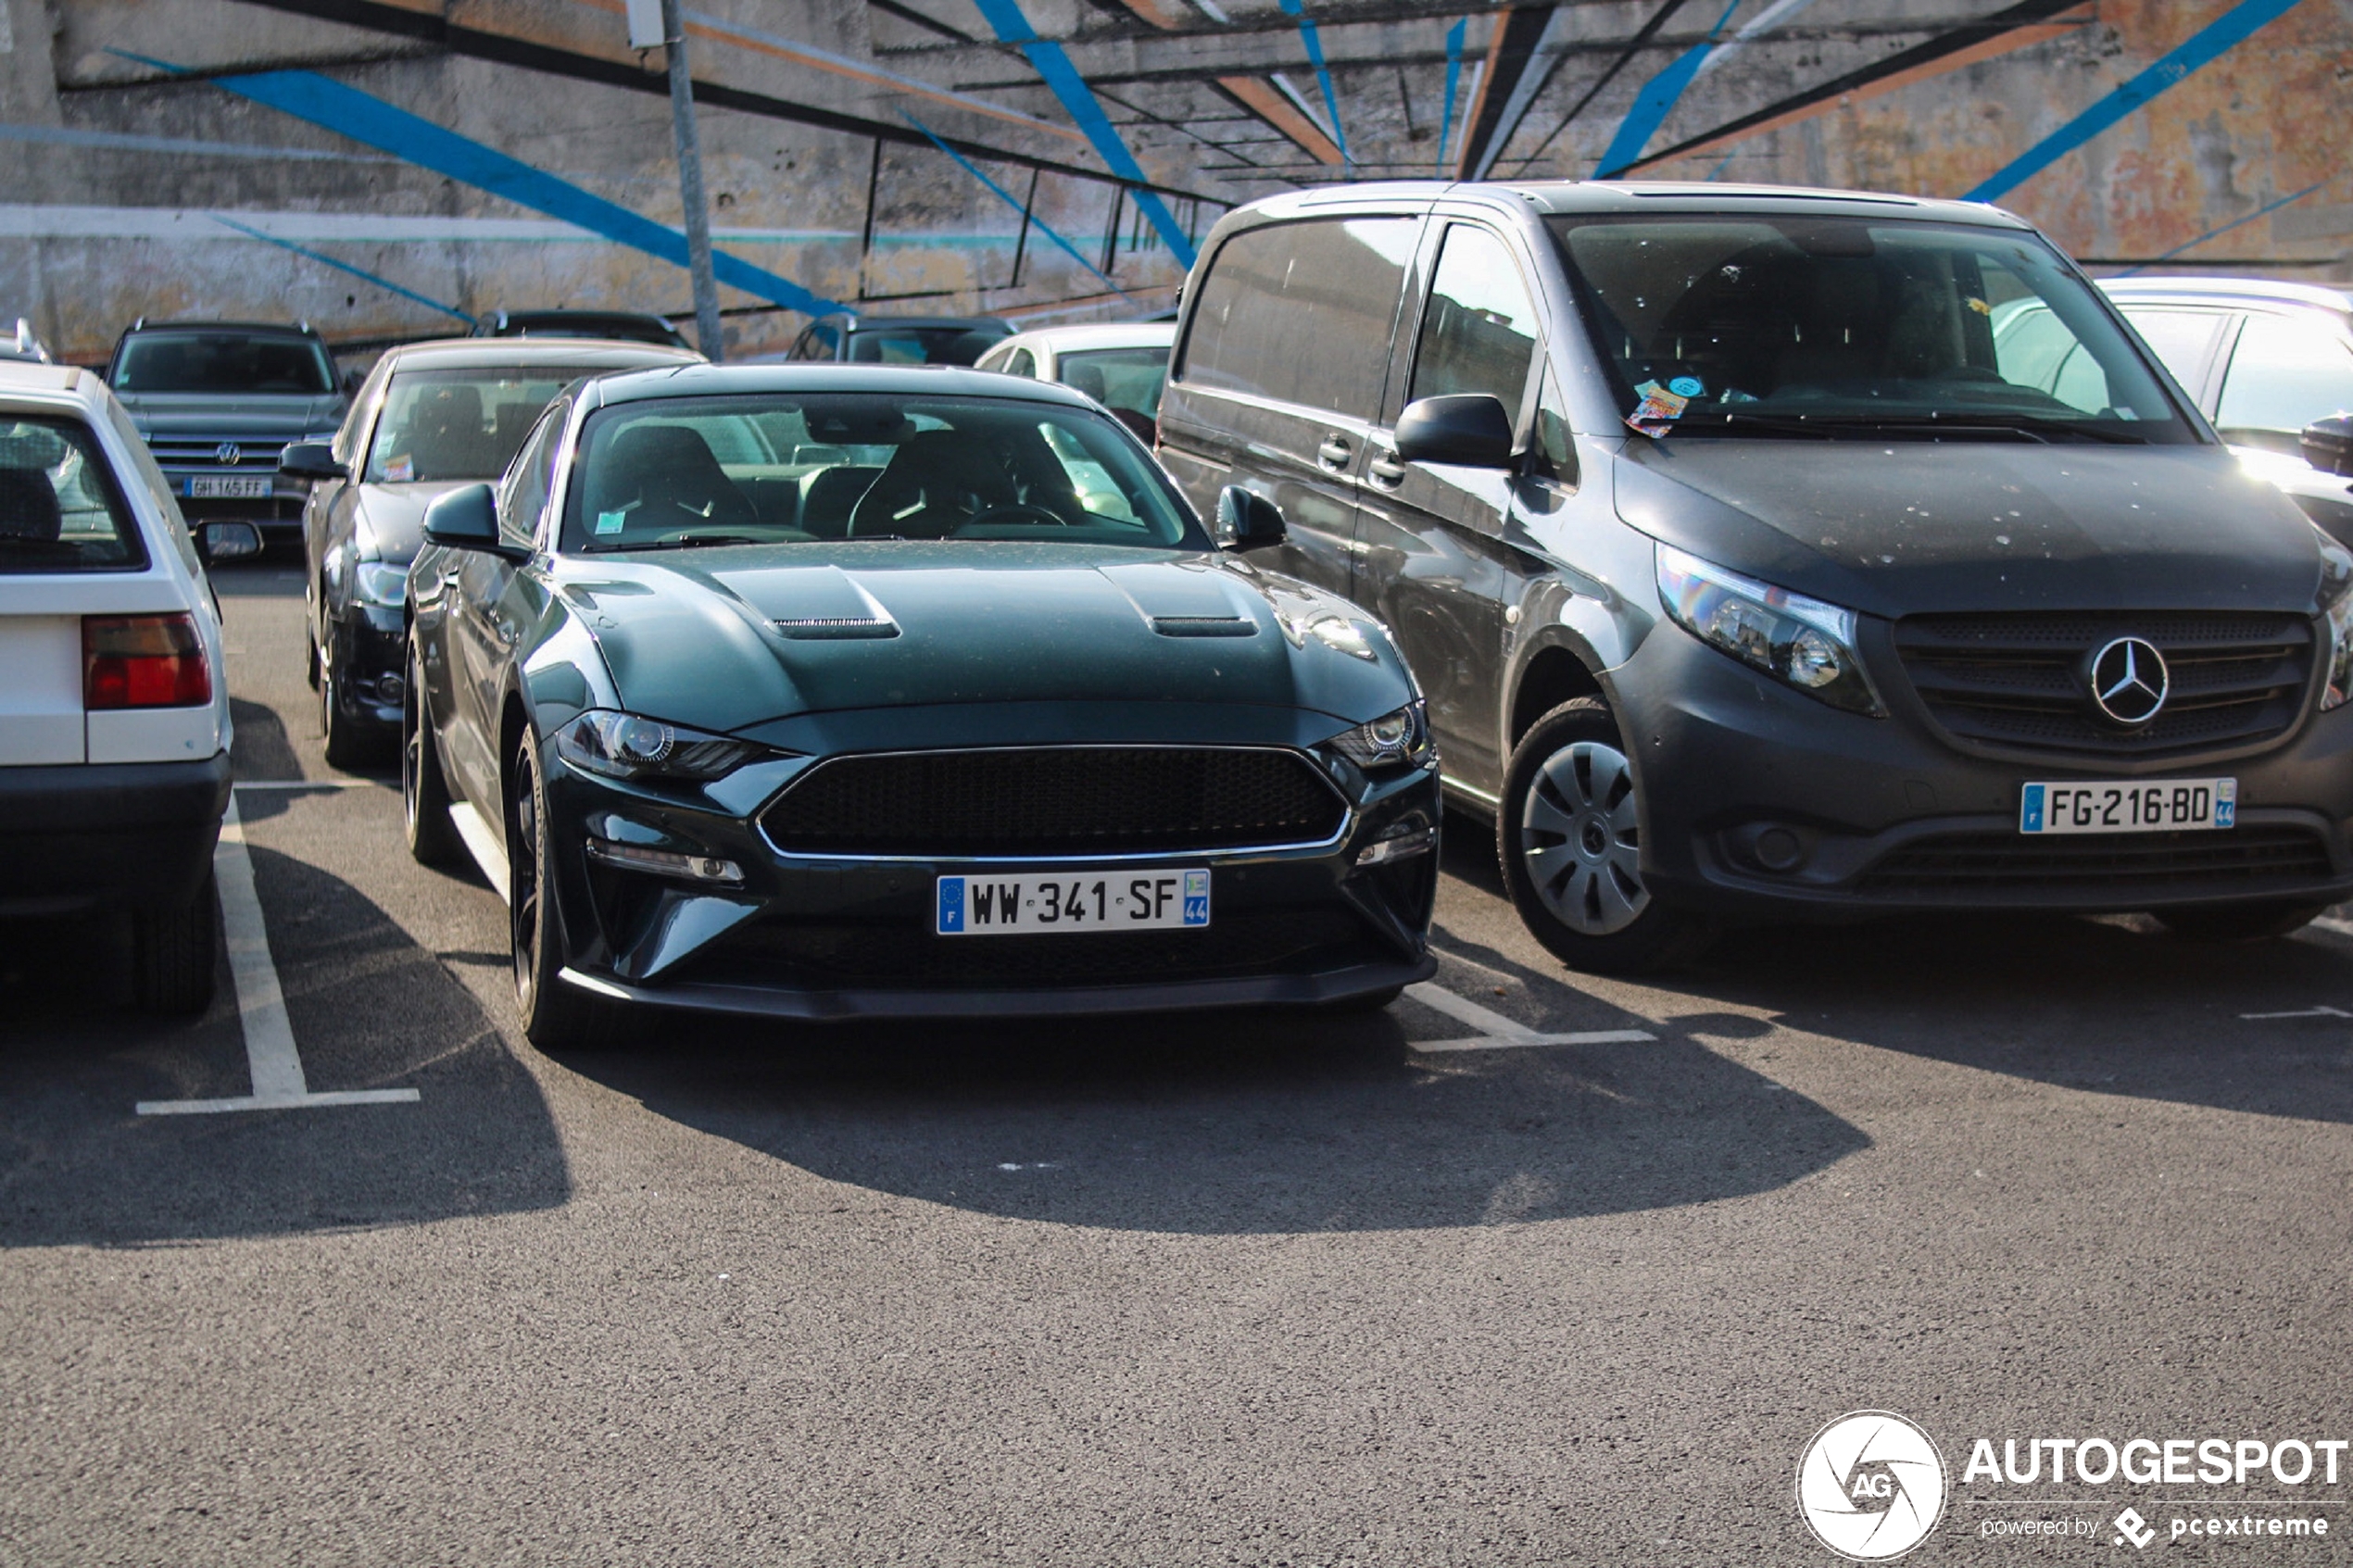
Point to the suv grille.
(1055, 800)
(2251, 858)
(2017, 681)
(258, 454)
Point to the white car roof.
(1106, 334)
(47, 385)
(2227, 291)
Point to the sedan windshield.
(1803, 325)
(782, 467)
(459, 424)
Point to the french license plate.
(2143, 806)
(203, 488)
(1071, 901)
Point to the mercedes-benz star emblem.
(2128, 681)
(229, 454)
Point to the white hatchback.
(114, 709)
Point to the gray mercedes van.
(1770, 553)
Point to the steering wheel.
(1014, 511)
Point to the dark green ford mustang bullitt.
(829, 692)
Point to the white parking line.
(309, 783)
(1498, 1032)
(270, 1057)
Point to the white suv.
(114, 708)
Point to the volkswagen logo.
(229, 454)
(2129, 681)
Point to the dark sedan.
(832, 692)
(432, 415)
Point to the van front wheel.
(1569, 836)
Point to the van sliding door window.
(1479, 331)
(1302, 313)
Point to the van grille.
(1055, 800)
(2018, 682)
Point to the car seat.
(29, 508)
(669, 473)
(937, 481)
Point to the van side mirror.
(218, 542)
(2328, 444)
(465, 518)
(309, 459)
(1469, 430)
(1247, 521)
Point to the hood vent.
(835, 628)
(1205, 625)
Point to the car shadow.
(369, 1008)
(2113, 1005)
(1232, 1123)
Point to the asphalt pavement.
(1255, 1288)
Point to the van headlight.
(2336, 607)
(1402, 737)
(626, 745)
(1800, 642)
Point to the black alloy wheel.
(555, 1016)
(424, 789)
(1568, 833)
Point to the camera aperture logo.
(1870, 1485)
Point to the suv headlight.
(625, 746)
(381, 583)
(1402, 737)
(1800, 642)
(2336, 607)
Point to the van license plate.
(1071, 902)
(206, 489)
(2143, 806)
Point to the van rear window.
(59, 508)
(1303, 312)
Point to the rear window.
(1302, 312)
(59, 508)
(223, 362)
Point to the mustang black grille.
(1055, 800)
(2018, 681)
(2252, 857)
(831, 956)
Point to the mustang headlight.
(625, 746)
(2336, 607)
(1803, 642)
(381, 583)
(1402, 737)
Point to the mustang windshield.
(1801, 325)
(788, 466)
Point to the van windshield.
(1790, 325)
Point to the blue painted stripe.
(1655, 101)
(1453, 79)
(1007, 197)
(1079, 100)
(1322, 73)
(373, 122)
(325, 260)
(2212, 234)
(2209, 44)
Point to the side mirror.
(218, 542)
(1247, 521)
(2328, 444)
(465, 518)
(309, 459)
(1469, 430)
(353, 379)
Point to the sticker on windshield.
(399, 470)
(1660, 408)
(1978, 305)
(1686, 386)
(611, 522)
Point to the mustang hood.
(1893, 528)
(726, 638)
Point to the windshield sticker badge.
(1662, 405)
(611, 522)
(400, 470)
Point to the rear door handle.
(1334, 453)
(1387, 471)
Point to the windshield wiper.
(679, 542)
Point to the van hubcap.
(1581, 841)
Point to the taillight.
(143, 661)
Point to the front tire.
(555, 1017)
(2259, 920)
(173, 955)
(347, 747)
(424, 790)
(1568, 833)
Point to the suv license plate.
(255, 489)
(1071, 902)
(2143, 806)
